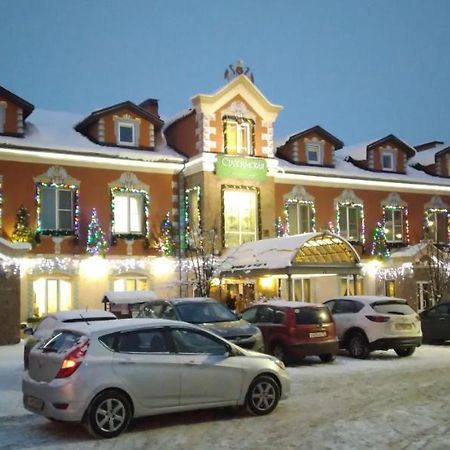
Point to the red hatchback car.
(293, 330)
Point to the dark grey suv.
(209, 314)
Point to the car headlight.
(280, 363)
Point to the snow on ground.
(385, 402)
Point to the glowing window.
(393, 226)
(51, 295)
(130, 284)
(238, 136)
(128, 213)
(240, 217)
(350, 222)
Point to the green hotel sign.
(241, 167)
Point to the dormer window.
(314, 153)
(126, 134)
(387, 161)
(238, 136)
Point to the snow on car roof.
(81, 313)
(369, 298)
(288, 304)
(126, 297)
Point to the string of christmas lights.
(405, 224)
(312, 212)
(431, 219)
(96, 240)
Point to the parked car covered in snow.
(114, 371)
(50, 322)
(365, 323)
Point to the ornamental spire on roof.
(239, 68)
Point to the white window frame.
(346, 233)
(128, 196)
(315, 148)
(133, 129)
(58, 280)
(240, 233)
(391, 154)
(421, 287)
(299, 207)
(394, 224)
(58, 209)
(246, 150)
(134, 278)
(435, 216)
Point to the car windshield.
(205, 312)
(309, 316)
(392, 307)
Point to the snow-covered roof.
(54, 130)
(127, 297)
(287, 304)
(428, 157)
(356, 151)
(85, 314)
(280, 253)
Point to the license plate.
(318, 334)
(34, 403)
(403, 326)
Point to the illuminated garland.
(166, 244)
(362, 234)
(131, 236)
(406, 270)
(76, 210)
(96, 241)
(429, 223)
(195, 189)
(312, 217)
(404, 210)
(280, 227)
(380, 248)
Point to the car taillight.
(72, 361)
(378, 318)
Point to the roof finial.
(239, 68)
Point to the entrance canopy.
(309, 253)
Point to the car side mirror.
(28, 331)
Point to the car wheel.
(358, 346)
(108, 414)
(404, 351)
(278, 351)
(327, 357)
(262, 396)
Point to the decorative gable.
(123, 125)
(388, 154)
(237, 119)
(314, 146)
(13, 112)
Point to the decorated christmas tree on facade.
(379, 244)
(166, 242)
(96, 240)
(22, 230)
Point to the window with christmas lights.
(300, 217)
(128, 213)
(393, 224)
(51, 295)
(240, 216)
(437, 225)
(350, 221)
(56, 209)
(238, 134)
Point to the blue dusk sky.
(359, 68)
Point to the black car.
(209, 314)
(436, 323)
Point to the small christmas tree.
(166, 243)
(22, 230)
(96, 240)
(280, 227)
(379, 244)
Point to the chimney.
(151, 105)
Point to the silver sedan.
(113, 371)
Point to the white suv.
(367, 323)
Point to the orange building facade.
(214, 172)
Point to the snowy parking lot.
(385, 402)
